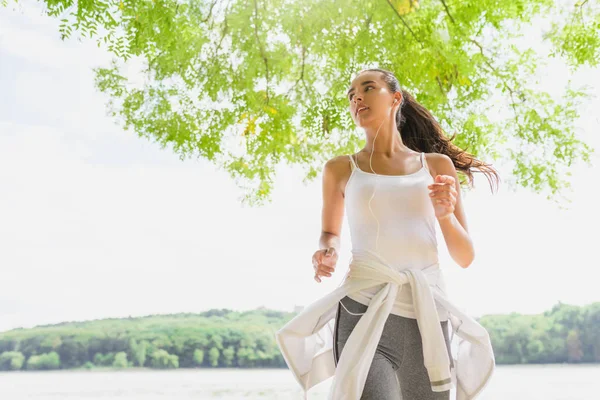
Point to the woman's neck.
(384, 138)
(385, 144)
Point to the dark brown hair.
(421, 132)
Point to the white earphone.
(375, 186)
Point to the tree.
(246, 357)
(590, 333)
(215, 340)
(213, 357)
(11, 361)
(50, 343)
(574, 346)
(535, 351)
(198, 357)
(228, 356)
(139, 351)
(72, 351)
(120, 360)
(162, 359)
(249, 84)
(44, 361)
(104, 359)
(88, 365)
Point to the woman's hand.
(324, 261)
(443, 196)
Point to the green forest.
(225, 338)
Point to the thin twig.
(406, 24)
(210, 11)
(301, 78)
(262, 51)
(511, 91)
(447, 11)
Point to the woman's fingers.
(324, 265)
(443, 195)
(325, 270)
(440, 186)
(442, 189)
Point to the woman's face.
(370, 91)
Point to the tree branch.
(437, 78)
(223, 33)
(511, 91)
(262, 51)
(406, 24)
(301, 78)
(448, 11)
(485, 59)
(210, 11)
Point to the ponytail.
(422, 133)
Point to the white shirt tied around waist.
(306, 341)
(404, 304)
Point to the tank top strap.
(424, 161)
(352, 161)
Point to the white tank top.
(407, 226)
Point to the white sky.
(97, 223)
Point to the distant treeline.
(225, 338)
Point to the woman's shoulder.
(437, 157)
(338, 168)
(339, 163)
(440, 164)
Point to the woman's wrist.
(445, 217)
(329, 240)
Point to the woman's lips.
(362, 110)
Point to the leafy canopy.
(248, 84)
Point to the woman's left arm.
(445, 194)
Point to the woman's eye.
(350, 97)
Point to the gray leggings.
(398, 370)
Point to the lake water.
(527, 382)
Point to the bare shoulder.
(338, 165)
(337, 170)
(440, 164)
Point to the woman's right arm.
(332, 216)
(332, 213)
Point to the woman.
(392, 212)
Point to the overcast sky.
(97, 223)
